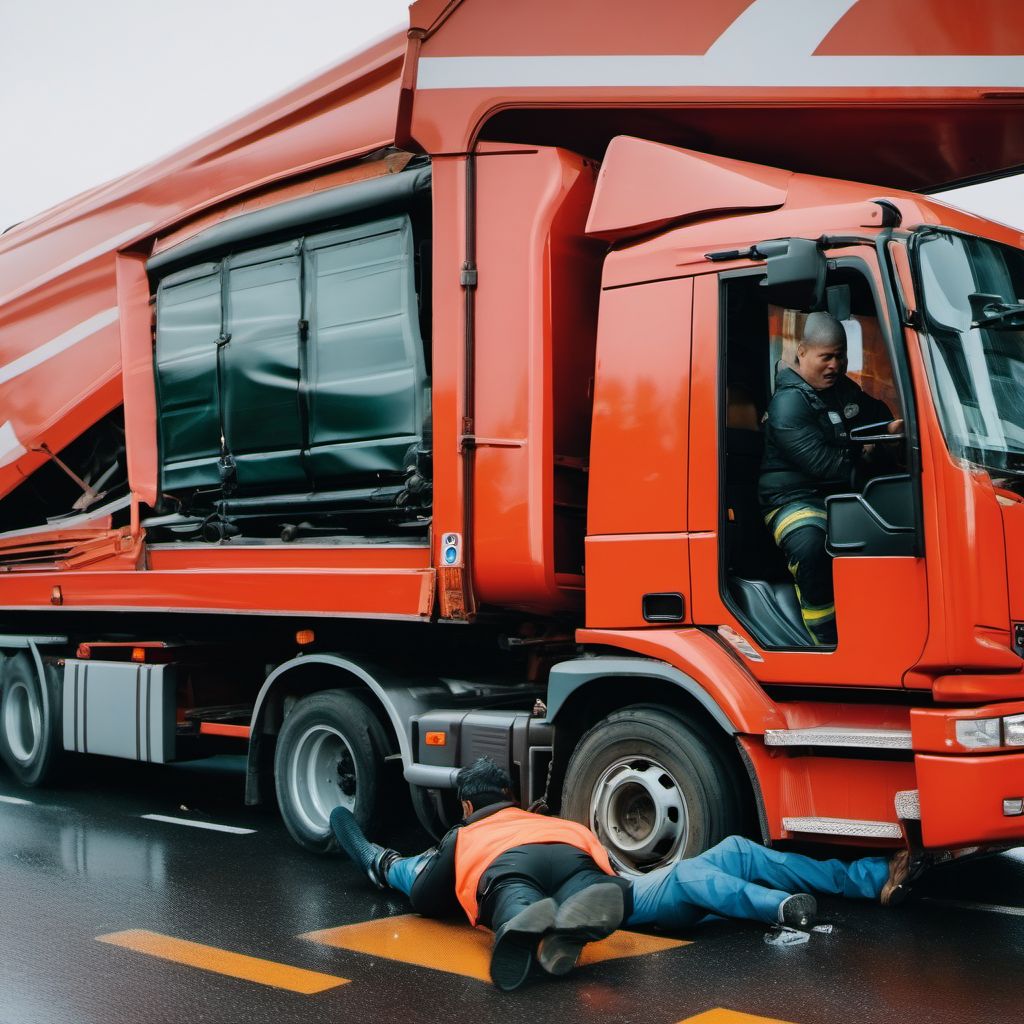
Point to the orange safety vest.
(480, 843)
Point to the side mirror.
(796, 272)
(875, 433)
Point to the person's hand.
(896, 427)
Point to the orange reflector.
(138, 654)
(84, 651)
(436, 739)
(224, 729)
(304, 636)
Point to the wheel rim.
(639, 812)
(322, 776)
(22, 722)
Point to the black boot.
(586, 916)
(373, 859)
(515, 944)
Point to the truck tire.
(31, 740)
(651, 787)
(330, 753)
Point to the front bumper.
(962, 799)
(967, 797)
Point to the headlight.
(978, 732)
(1013, 731)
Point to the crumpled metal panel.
(188, 326)
(263, 428)
(307, 356)
(366, 373)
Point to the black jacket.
(433, 892)
(807, 451)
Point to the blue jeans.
(403, 872)
(738, 878)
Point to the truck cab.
(698, 320)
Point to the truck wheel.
(31, 743)
(651, 788)
(330, 753)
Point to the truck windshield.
(973, 309)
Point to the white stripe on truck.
(54, 347)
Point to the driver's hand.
(896, 427)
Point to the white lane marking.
(16, 800)
(53, 347)
(992, 908)
(106, 246)
(755, 71)
(234, 830)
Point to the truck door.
(741, 582)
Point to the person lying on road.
(546, 888)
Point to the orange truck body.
(585, 157)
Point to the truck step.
(836, 736)
(844, 827)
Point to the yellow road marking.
(221, 961)
(457, 949)
(720, 1016)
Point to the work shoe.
(905, 868)
(373, 859)
(515, 944)
(586, 916)
(798, 911)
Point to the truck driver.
(808, 456)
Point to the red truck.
(415, 416)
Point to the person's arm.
(797, 433)
(433, 892)
(880, 456)
(874, 410)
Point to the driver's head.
(821, 353)
(482, 783)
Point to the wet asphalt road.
(81, 862)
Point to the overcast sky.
(91, 89)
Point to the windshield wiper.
(992, 312)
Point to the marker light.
(304, 637)
(138, 654)
(1013, 731)
(978, 732)
(436, 739)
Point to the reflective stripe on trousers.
(799, 529)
